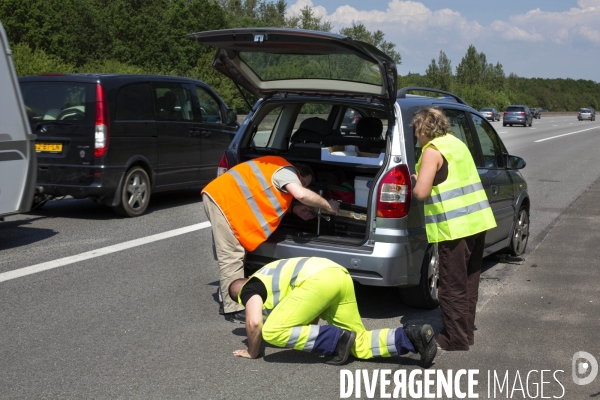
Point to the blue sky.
(531, 38)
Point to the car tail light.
(393, 197)
(505, 112)
(223, 165)
(102, 128)
(522, 112)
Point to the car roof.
(96, 77)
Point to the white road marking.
(34, 269)
(503, 132)
(564, 134)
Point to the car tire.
(531, 123)
(520, 233)
(503, 124)
(424, 295)
(135, 193)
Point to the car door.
(178, 140)
(500, 187)
(213, 131)
(18, 161)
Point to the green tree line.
(483, 84)
(147, 36)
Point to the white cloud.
(295, 9)
(420, 33)
(414, 19)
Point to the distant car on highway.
(586, 113)
(490, 113)
(535, 113)
(518, 115)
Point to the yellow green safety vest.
(281, 277)
(457, 207)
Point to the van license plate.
(48, 147)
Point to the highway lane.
(559, 169)
(143, 323)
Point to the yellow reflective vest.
(457, 207)
(281, 277)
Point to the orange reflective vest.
(249, 200)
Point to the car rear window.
(485, 109)
(342, 67)
(585, 110)
(59, 101)
(515, 109)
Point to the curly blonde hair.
(432, 122)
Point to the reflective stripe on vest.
(281, 277)
(247, 197)
(276, 278)
(451, 194)
(251, 202)
(459, 212)
(457, 207)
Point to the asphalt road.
(140, 320)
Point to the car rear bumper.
(383, 264)
(515, 120)
(79, 181)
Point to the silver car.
(379, 235)
(490, 113)
(518, 115)
(586, 113)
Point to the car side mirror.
(231, 117)
(514, 162)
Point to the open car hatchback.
(308, 83)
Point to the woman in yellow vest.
(457, 215)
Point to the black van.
(118, 138)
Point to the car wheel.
(531, 123)
(425, 295)
(503, 124)
(520, 234)
(135, 193)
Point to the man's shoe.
(422, 340)
(343, 347)
(220, 300)
(237, 317)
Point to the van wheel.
(520, 234)
(135, 193)
(425, 294)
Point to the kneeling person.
(293, 293)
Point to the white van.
(17, 144)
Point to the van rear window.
(59, 101)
